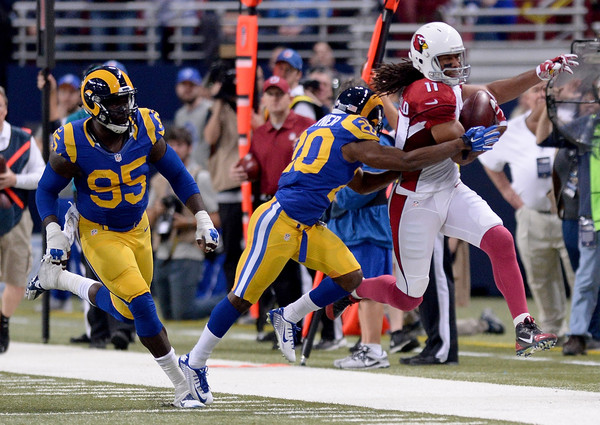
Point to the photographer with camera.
(178, 261)
(221, 133)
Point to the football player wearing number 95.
(108, 155)
(327, 156)
(433, 199)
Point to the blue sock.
(222, 318)
(327, 292)
(103, 302)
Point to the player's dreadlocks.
(391, 78)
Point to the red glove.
(551, 67)
(500, 117)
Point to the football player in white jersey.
(431, 200)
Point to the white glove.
(206, 232)
(552, 67)
(57, 243)
(71, 228)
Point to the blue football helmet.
(362, 101)
(109, 96)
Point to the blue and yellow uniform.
(112, 197)
(288, 226)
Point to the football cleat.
(196, 379)
(335, 310)
(530, 338)
(285, 332)
(187, 402)
(47, 276)
(34, 288)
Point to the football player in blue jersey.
(328, 156)
(108, 155)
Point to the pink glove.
(551, 67)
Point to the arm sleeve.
(172, 168)
(47, 192)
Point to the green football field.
(36, 391)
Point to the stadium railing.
(345, 24)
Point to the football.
(477, 110)
(250, 166)
(5, 202)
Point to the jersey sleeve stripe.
(69, 140)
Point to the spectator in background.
(221, 134)
(288, 65)
(273, 58)
(539, 230)
(584, 298)
(498, 20)
(323, 56)
(106, 23)
(272, 147)
(362, 223)
(297, 20)
(193, 114)
(319, 85)
(178, 261)
(21, 166)
(6, 32)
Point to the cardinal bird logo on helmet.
(419, 43)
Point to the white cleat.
(196, 379)
(46, 278)
(187, 402)
(285, 331)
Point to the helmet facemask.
(116, 112)
(449, 76)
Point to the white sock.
(299, 308)
(76, 284)
(520, 318)
(375, 349)
(169, 365)
(203, 348)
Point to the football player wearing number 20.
(327, 156)
(108, 155)
(433, 199)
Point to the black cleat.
(530, 338)
(335, 310)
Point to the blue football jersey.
(112, 187)
(318, 168)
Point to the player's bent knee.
(497, 240)
(416, 286)
(404, 302)
(143, 309)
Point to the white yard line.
(517, 404)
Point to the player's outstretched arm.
(390, 158)
(57, 175)
(366, 182)
(511, 88)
